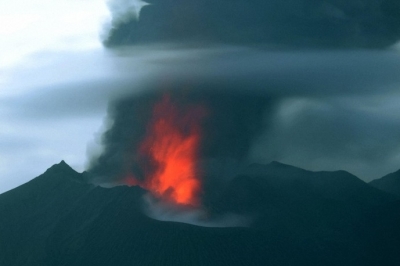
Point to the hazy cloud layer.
(321, 134)
(326, 110)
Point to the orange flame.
(169, 153)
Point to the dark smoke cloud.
(290, 23)
(232, 122)
(320, 110)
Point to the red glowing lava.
(168, 154)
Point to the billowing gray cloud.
(291, 23)
(324, 110)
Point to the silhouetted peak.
(62, 171)
(63, 164)
(61, 167)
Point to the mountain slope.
(120, 235)
(56, 219)
(389, 183)
(317, 209)
(298, 218)
(336, 185)
(30, 212)
(260, 186)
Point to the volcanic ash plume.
(176, 143)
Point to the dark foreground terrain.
(298, 218)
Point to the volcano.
(298, 218)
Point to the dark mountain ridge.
(30, 212)
(336, 185)
(389, 183)
(298, 218)
(322, 206)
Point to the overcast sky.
(44, 48)
(337, 109)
